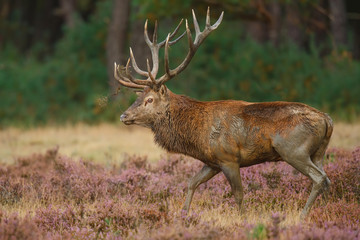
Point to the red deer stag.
(224, 135)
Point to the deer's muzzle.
(125, 119)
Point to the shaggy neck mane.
(178, 130)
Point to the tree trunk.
(5, 8)
(258, 31)
(319, 24)
(140, 48)
(116, 38)
(293, 25)
(275, 24)
(67, 10)
(338, 21)
(356, 47)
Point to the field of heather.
(98, 192)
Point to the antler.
(123, 74)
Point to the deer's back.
(250, 132)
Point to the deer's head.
(153, 95)
(147, 107)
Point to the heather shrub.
(347, 183)
(57, 219)
(342, 214)
(179, 230)
(76, 199)
(51, 176)
(105, 217)
(135, 162)
(110, 216)
(11, 192)
(14, 227)
(274, 229)
(332, 232)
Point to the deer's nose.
(123, 117)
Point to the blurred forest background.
(56, 57)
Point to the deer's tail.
(329, 126)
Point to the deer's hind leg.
(318, 177)
(303, 164)
(318, 159)
(296, 152)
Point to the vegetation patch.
(60, 197)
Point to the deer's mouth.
(126, 119)
(128, 122)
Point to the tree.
(275, 24)
(293, 24)
(338, 21)
(67, 10)
(117, 37)
(137, 42)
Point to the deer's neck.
(180, 130)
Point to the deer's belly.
(227, 147)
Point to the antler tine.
(166, 57)
(149, 72)
(176, 40)
(193, 46)
(188, 32)
(155, 33)
(135, 66)
(196, 24)
(170, 73)
(126, 79)
(120, 74)
(176, 29)
(208, 18)
(217, 23)
(200, 37)
(146, 35)
(127, 69)
(128, 76)
(123, 80)
(161, 44)
(154, 48)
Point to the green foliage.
(258, 232)
(62, 88)
(162, 8)
(67, 85)
(227, 66)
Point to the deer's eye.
(149, 100)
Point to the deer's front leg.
(204, 175)
(232, 174)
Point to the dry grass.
(109, 143)
(104, 143)
(346, 135)
(226, 216)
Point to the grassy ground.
(52, 196)
(111, 195)
(104, 143)
(109, 143)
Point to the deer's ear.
(163, 90)
(138, 93)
